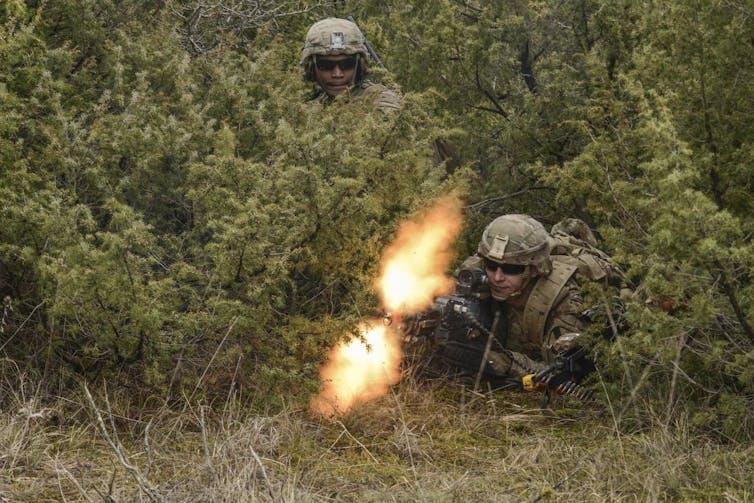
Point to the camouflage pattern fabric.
(383, 98)
(563, 317)
(531, 345)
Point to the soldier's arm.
(566, 322)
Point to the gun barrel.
(372, 52)
(389, 318)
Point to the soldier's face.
(335, 73)
(505, 279)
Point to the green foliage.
(15, 9)
(107, 276)
(178, 217)
(635, 118)
(176, 213)
(512, 75)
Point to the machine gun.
(455, 328)
(463, 309)
(453, 320)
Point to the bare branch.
(498, 107)
(63, 470)
(730, 294)
(22, 325)
(142, 482)
(491, 200)
(202, 21)
(214, 355)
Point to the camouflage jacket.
(553, 309)
(383, 98)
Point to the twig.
(214, 355)
(613, 416)
(627, 214)
(264, 473)
(147, 448)
(490, 200)
(345, 430)
(232, 386)
(143, 484)
(109, 496)
(174, 377)
(634, 390)
(111, 485)
(60, 468)
(405, 434)
(498, 107)
(205, 444)
(7, 309)
(674, 380)
(730, 294)
(22, 325)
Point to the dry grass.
(434, 442)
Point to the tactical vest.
(570, 256)
(543, 295)
(591, 262)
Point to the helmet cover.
(330, 37)
(517, 239)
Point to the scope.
(472, 282)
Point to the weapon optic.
(450, 310)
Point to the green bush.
(176, 214)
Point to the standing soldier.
(336, 58)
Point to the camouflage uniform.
(383, 98)
(335, 36)
(534, 333)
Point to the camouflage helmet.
(333, 36)
(517, 239)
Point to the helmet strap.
(311, 68)
(355, 69)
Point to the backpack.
(575, 254)
(575, 244)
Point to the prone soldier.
(517, 312)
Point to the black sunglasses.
(329, 65)
(507, 269)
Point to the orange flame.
(359, 371)
(412, 275)
(414, 265)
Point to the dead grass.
(434, 442)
